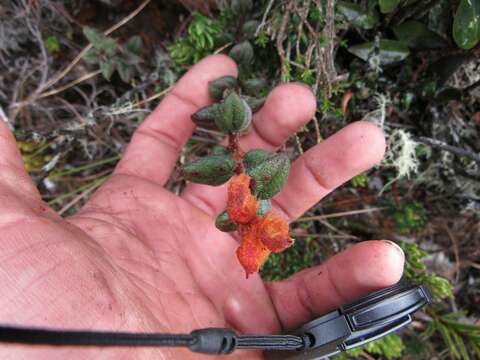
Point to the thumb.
(13, 176)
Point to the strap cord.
(209, 340)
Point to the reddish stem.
(237, 152)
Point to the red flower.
(241, 204)
(251, 253)
(273, 232)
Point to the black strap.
(210, 340)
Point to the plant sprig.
(255, 176)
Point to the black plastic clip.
(358, 323)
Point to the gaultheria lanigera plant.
(255, 176)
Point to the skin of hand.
(137, 257)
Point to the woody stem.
(237, 152)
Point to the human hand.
(137, 257)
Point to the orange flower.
(241, 204)
(273, 232)
(251, 253)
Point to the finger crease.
(204, 204)
(183, 99)
(161, 136)
(335, 288)
(319, 179)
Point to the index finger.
(156, 144)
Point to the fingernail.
(396, 247)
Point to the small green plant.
(360, 180)
(408, 217)
(52, 44)
(199, 41)
(255, 176)
(111, 56)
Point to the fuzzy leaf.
(211, 170)
(416, 35)
(254, 103)
(242, 53)
(388, 6)
(236, 114)
(270, 175)
(255, 157)
(357, 15)
(254, 86)
(224, 223)
(217, 87)
(220, 150)
(205, 117)
(391, 51)
(466, 26)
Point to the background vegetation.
(77, 77)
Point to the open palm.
(139, 258)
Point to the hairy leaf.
(390, 51)
(216, 88)
(269, 175)
(242, 53)
(211, 170)
(236, 114)
(205, 117)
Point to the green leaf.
(210, 170)
(100, 41)
(254, 103)
(217, 87)
(241, 7)
(134, 45)
(249, 29)
(236, 114)
(390, 51)
(91, 56)
(357, 15)
(269, 175)
(220, 150)
(255, 157)
(388, 6)
(126, 71)
(466, 26)
(107, 68)
(52, 44)
(206, 116)
(224, 223)
(254, 86)
(242, 53)
(416, 35)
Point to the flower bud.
(241, 204)
(224, 223)
(236, 114)
(269, 173)
(211, 170)
(273, 232)
(216, 88)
